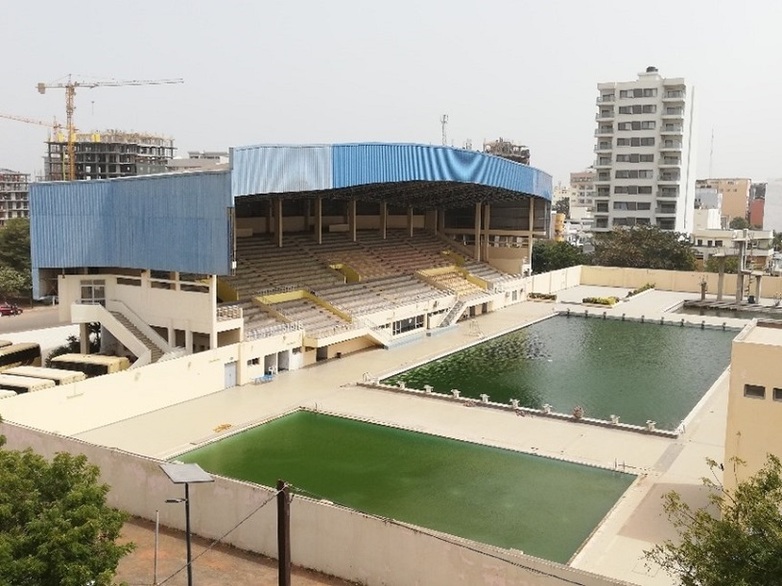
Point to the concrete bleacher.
(456, 282)
(312, 317)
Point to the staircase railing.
(138, 322)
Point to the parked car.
(10, 309)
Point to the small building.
(13, 195)
(759, 250)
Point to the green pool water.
(609, 367)
(543, 507)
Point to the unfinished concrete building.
(108, 154)
(507, 150)
(13, 195)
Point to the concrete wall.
(554, 281)
(753, 423)
(324, 537)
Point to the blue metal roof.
(284, 168)
(162, 222)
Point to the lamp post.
(186, 474)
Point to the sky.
(361, 71)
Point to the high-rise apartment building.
(13, 195)
(645, 151)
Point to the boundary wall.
(324, 537)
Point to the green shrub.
(641, 289)
(600, 300)
(546, 296)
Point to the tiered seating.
(486, 272)
(405, 289)
(355, 299)
(314, 318)
(255, 317)
(456, 282)
(398, 253)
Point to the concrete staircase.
(156, 351)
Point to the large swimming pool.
(543, 507)
(639, 371)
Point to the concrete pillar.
(383, 219)
(530, 236)
(486, 221)
(352, 219)
(477, 252)
(319, 220)
(171, 336)
(278, 219)
(720, 276)
(757, 288)
(410, 221)
(436, 224)
(84, 339)
(213, 340)
(189, 340)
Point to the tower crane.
(70, 94)
(54, 124)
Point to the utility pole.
(444, 123)
(283, 534)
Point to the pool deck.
(615, 549)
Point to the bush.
(600, 300)
(544, 296)
(641, 289)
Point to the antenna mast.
(444, 122)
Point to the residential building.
(582, 194)
(13, 195)
(758, 245)
(108, 155)
(507, 149)
(756, 210)
(645, 153)
(735, 195)
(772, 209)
(199, 161)
(754, 402)
(707, 219)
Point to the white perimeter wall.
(324, 537)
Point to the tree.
(731, 265)
(15, 244)
(777, 241)
(738, 223)
(55, 526)
(736, 540)
(73, 344)
(645, 247)
(562, 206)
(550, 255)
(12, 282)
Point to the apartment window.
(602, 206)
(601, 223)
(635, 158)
(634, 174)
(755, 391)
(718, 243)
(777, 394)
(632, 205)
(637, 125)
(638, 93)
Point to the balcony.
(603, 178)
(668, 193)
(603, 163)
(672, 129)
(670, 145)
(669, 178)
(665, 211)
(605, 131)
(674, 96)
(673, 113)
(603, 147)
(605, 115)
(670, 162)
(606, 99)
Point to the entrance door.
(230, 375)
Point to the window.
(634, 174)
(638, 93)
(777, 394)
(602, 206)
(755, 391)
(632, 205)
(638, 125)
(634, 158)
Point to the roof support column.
(269, 217)
(435, 223)
(352, 219)
(319, 220)
(278, 218)
(410, 221)
(529, 231)
(383, 219)
(486, 221)
(477, 252)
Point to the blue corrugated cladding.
(280, 169)
(165, 222)
(361, 164)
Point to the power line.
(224, 535)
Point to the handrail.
(268, 331)
(142, 326)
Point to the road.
(32, 319)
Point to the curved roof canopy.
(405, 174)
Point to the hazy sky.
(352, 70)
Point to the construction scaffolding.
(108, 154)
(507, 150)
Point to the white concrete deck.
(615, 549)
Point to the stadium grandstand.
(295, 253)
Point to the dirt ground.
(222, 565)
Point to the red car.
(8, 309)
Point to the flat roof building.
(645, 153)
(13, 195)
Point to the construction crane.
(54, 124)
(70, 97)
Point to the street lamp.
(186, 474)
